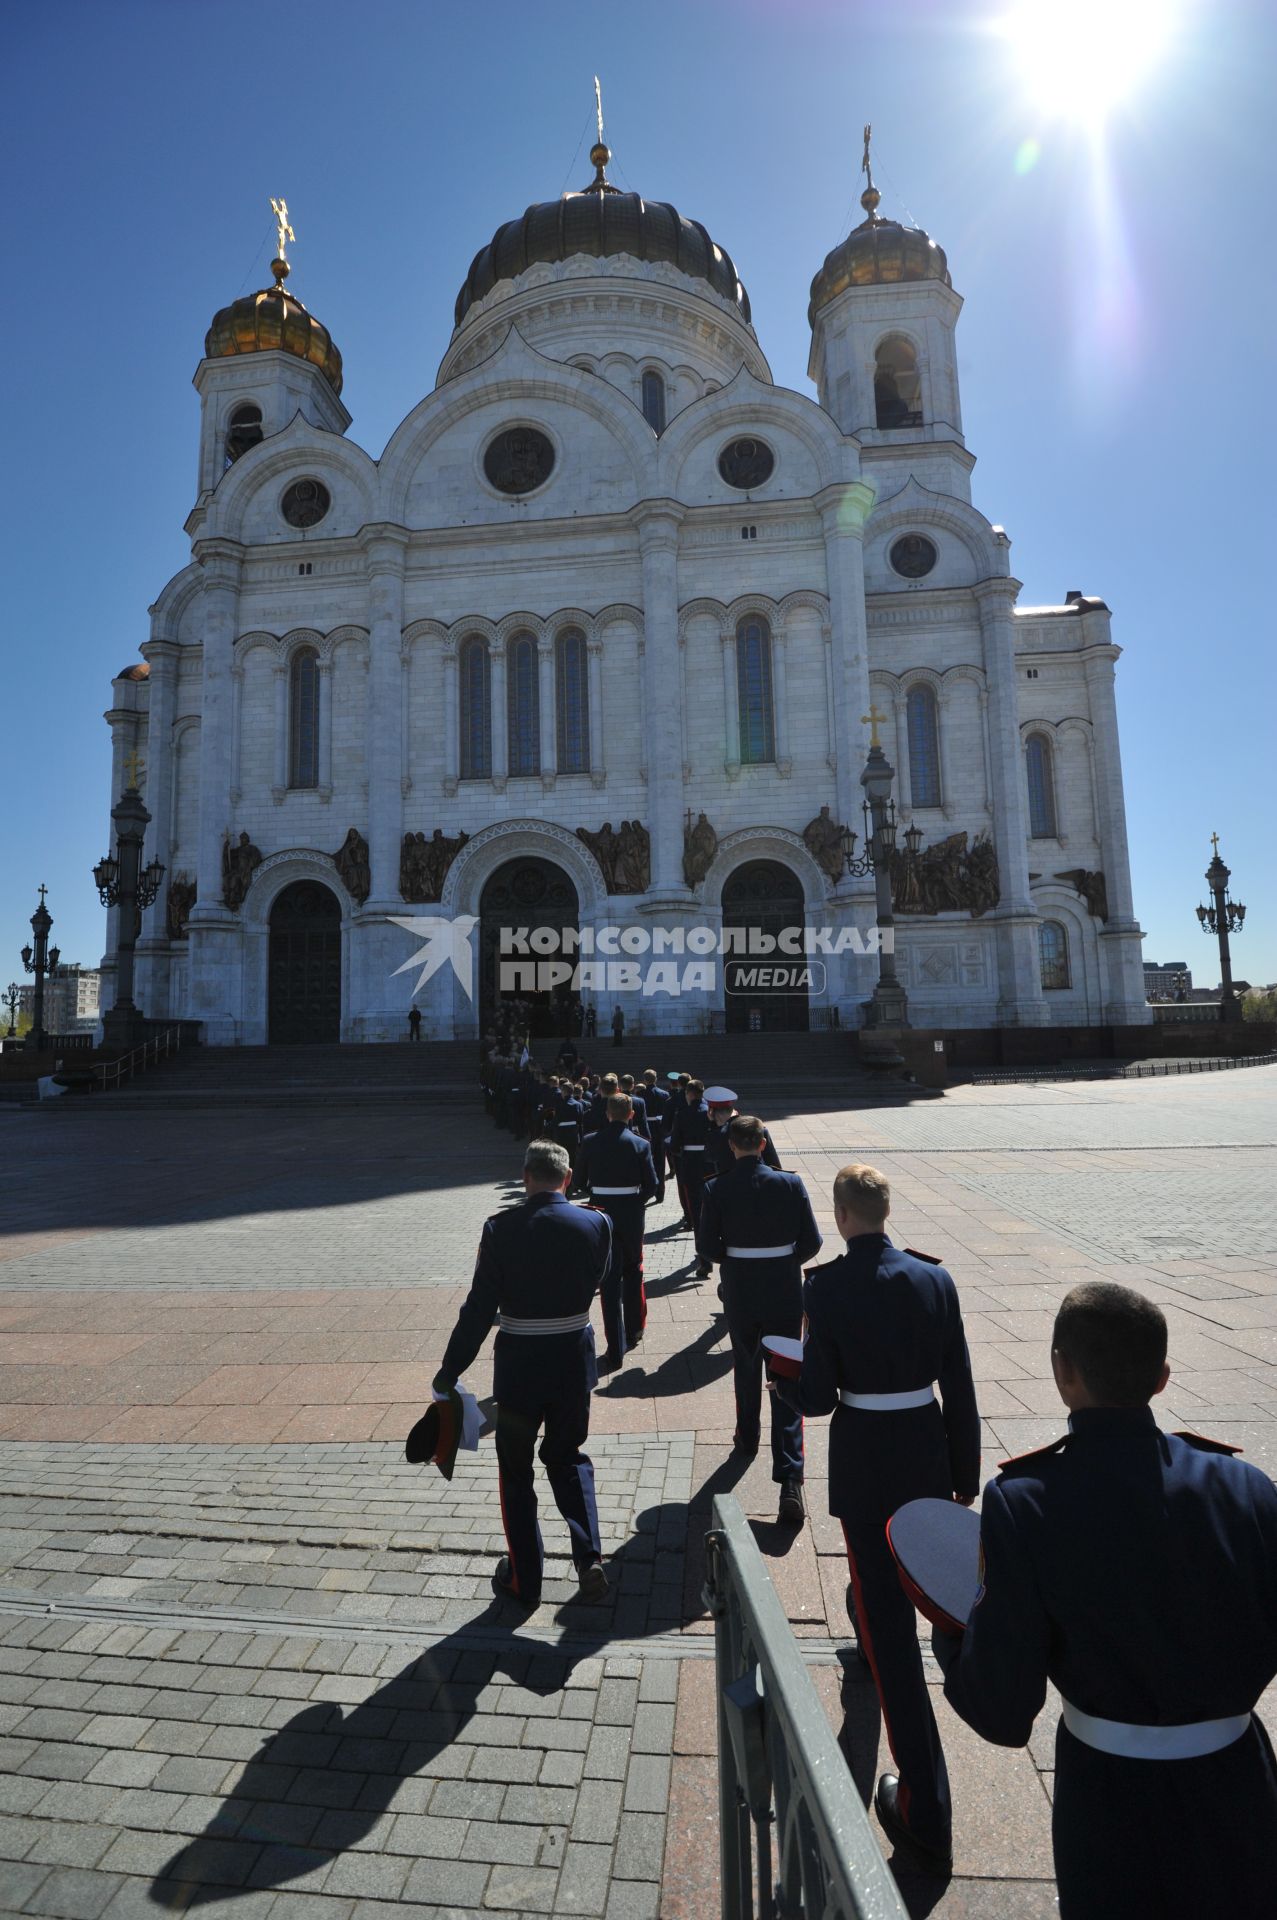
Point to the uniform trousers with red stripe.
(544, 1388)
(886, 1625)
(623, 1296)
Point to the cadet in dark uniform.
(615, 1164)
(722, 1111)
(639, 1122)
(1137, 1571)
(883, 1327)
(656, 1098)
(539, 1267)
(759, 1224)
(689, 1140)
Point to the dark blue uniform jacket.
(691, 1126)
(1135, 1569)
(537, 1261)
(615, 1156)
(883, 1320)
(752, 1205)
(718, 1150)
(657, 1102)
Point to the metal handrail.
(158, 1047)
(779, 1766)
(1132, 1070)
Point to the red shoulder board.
(932, 1259)
(1037, 1453)
(1207, 1446)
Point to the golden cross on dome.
(864, 164)
(283, 232)
(134, 766)
(873, 719)
(598, 107)
(1214, 840)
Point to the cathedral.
(589, 662)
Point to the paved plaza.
(250, 1660)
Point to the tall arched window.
(243, 431)
(897, 388)
(1041, 777)
(1053, 956)
(476, 710)
(924, 748)
(754, 689)
(572, 701)
(523, 706)
(654, 400)
(303, 719)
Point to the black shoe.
(793, 1508)
(610, 1361)
(684, 1225)
(703, 1269)
(592, 1580)
(930, 1857)
(744, 1449)
(503, 1585)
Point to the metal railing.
(113, 1073)
(780, 1769)
(1119, 1070)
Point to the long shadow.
(691, 1367)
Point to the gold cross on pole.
(864, 164)
(1214, 840)
(134, 766)
(598, 107)
(283, 232)
(873, 719)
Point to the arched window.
(754, 689)
(303, 727)
(897, 388)
(1053, 956)
(523, 706)
(572, 701)
(1037, 760)
(476, 710)
(244, 431)
(924, 748)
(654, 400)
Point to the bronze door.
(526, 894)
(766, 898)
(305, 966)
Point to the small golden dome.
(877, 253)
(274, 321)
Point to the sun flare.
(1078, 59)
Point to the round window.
(518, 460)
(913, 555)
(305, 503)
(747, 464)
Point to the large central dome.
(601, 220)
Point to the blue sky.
(1114, 350)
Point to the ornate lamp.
(123, 882)
(1223, 917)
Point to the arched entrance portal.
(763, 897)
(305, 965)
(527, 893)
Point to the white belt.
(761, 1253)
(560, 1124)
(613, 1189)
(693, 1149)
(889, 1402)
(566, 1323)
(1188, 1741)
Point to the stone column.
(325, 729)
(658, 524)
(215, 947)
(1020, 1001)
(546, 709)
(780, 700)
(498, 720)
(904, 775)
(163, 656)
(1120, 937)
(384, 547)
(280, 678)
(843, 511)
(731, 705)
(451, 719)
(126, 737)
(597, 733)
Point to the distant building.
(1168, 980)
(71, 999)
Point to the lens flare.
(1027, 155)
(1077, 59)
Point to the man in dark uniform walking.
(539, 1267)
(615, 1164)
(759, 1225)
(689, 1140)
(1137, 1571)
(721, 1102)
(656, 1099)
(883, 1329)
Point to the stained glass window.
(523, 707)
(572, 698)
(476, 710)
(303, 751)
(924, 748)
(1037, 757)
(1053, 956)
(754, 690)
(654, 401)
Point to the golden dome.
(274, 321)
(877, 253)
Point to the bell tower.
(883, 314)
(266, 359)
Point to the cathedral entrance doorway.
(305, 966)
(765, 898)
(525, 893)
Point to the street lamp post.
(41, 960)
(11, 999)
(888, 1005)
(1225, 916)
(123, 882)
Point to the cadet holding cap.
(883, 1329)
(759, 1225)
(1137, 1571)
(539, 1267)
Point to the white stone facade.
(638, 543)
